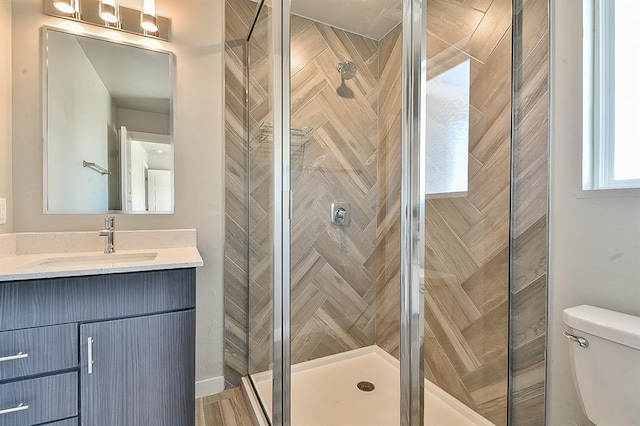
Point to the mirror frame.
(44, 69)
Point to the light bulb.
(148, 23)
(148, 20)
(65, 6)
(109, 11)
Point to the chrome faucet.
(108, 231)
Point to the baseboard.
(210, 386)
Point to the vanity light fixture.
(148, 19)
(109, 11)
(143, 20)
(67, 6)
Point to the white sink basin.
(96, 259)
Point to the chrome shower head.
(347, 70)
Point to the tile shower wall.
(530, 207)
(238, 18)
(467, 252)
(467, 305)
(333, 288)
(467, 261)
(356, 148)
(333, 268)
(389, 190)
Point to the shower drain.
(366, 386)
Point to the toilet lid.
(615, 326)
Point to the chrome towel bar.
(97, 168)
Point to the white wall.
(594, 239)
(142, 121)
(5, 110)
(159, 161)
(197, 41)
(79, 122)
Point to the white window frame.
(599, 97)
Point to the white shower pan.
(324, 392)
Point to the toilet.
(604, 350)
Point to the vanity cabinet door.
(139, 371)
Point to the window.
(611, 94)
(448, 132)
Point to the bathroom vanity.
(93, 343)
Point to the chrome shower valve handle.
(340, 214)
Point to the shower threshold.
(325, 392)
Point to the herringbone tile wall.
(467, 253)
(529, 222)
(249, 191)
(333, 289)
(238, 18)
(467, 303)
(261, 166)
(346, 280)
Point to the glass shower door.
(261, 215)
(348, 168)
(355, 282)
(468, 205)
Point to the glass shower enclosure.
(316, 149)
(377, 142)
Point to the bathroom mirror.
(108, 126)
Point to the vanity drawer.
(38, 350)
(43, 400)
(52, 301)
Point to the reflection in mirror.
(108, 126)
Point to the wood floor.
(227, 408)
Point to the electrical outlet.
(3, 211)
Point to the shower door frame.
(413, 211)
(414, 72)
(283, 206)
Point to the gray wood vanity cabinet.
(103, 350)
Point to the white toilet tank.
(607, 371)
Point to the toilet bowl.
(605, 359)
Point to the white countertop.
(53, 255)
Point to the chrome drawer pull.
(89, 355)
(19, 355)
(580, 341)
(20, 407)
